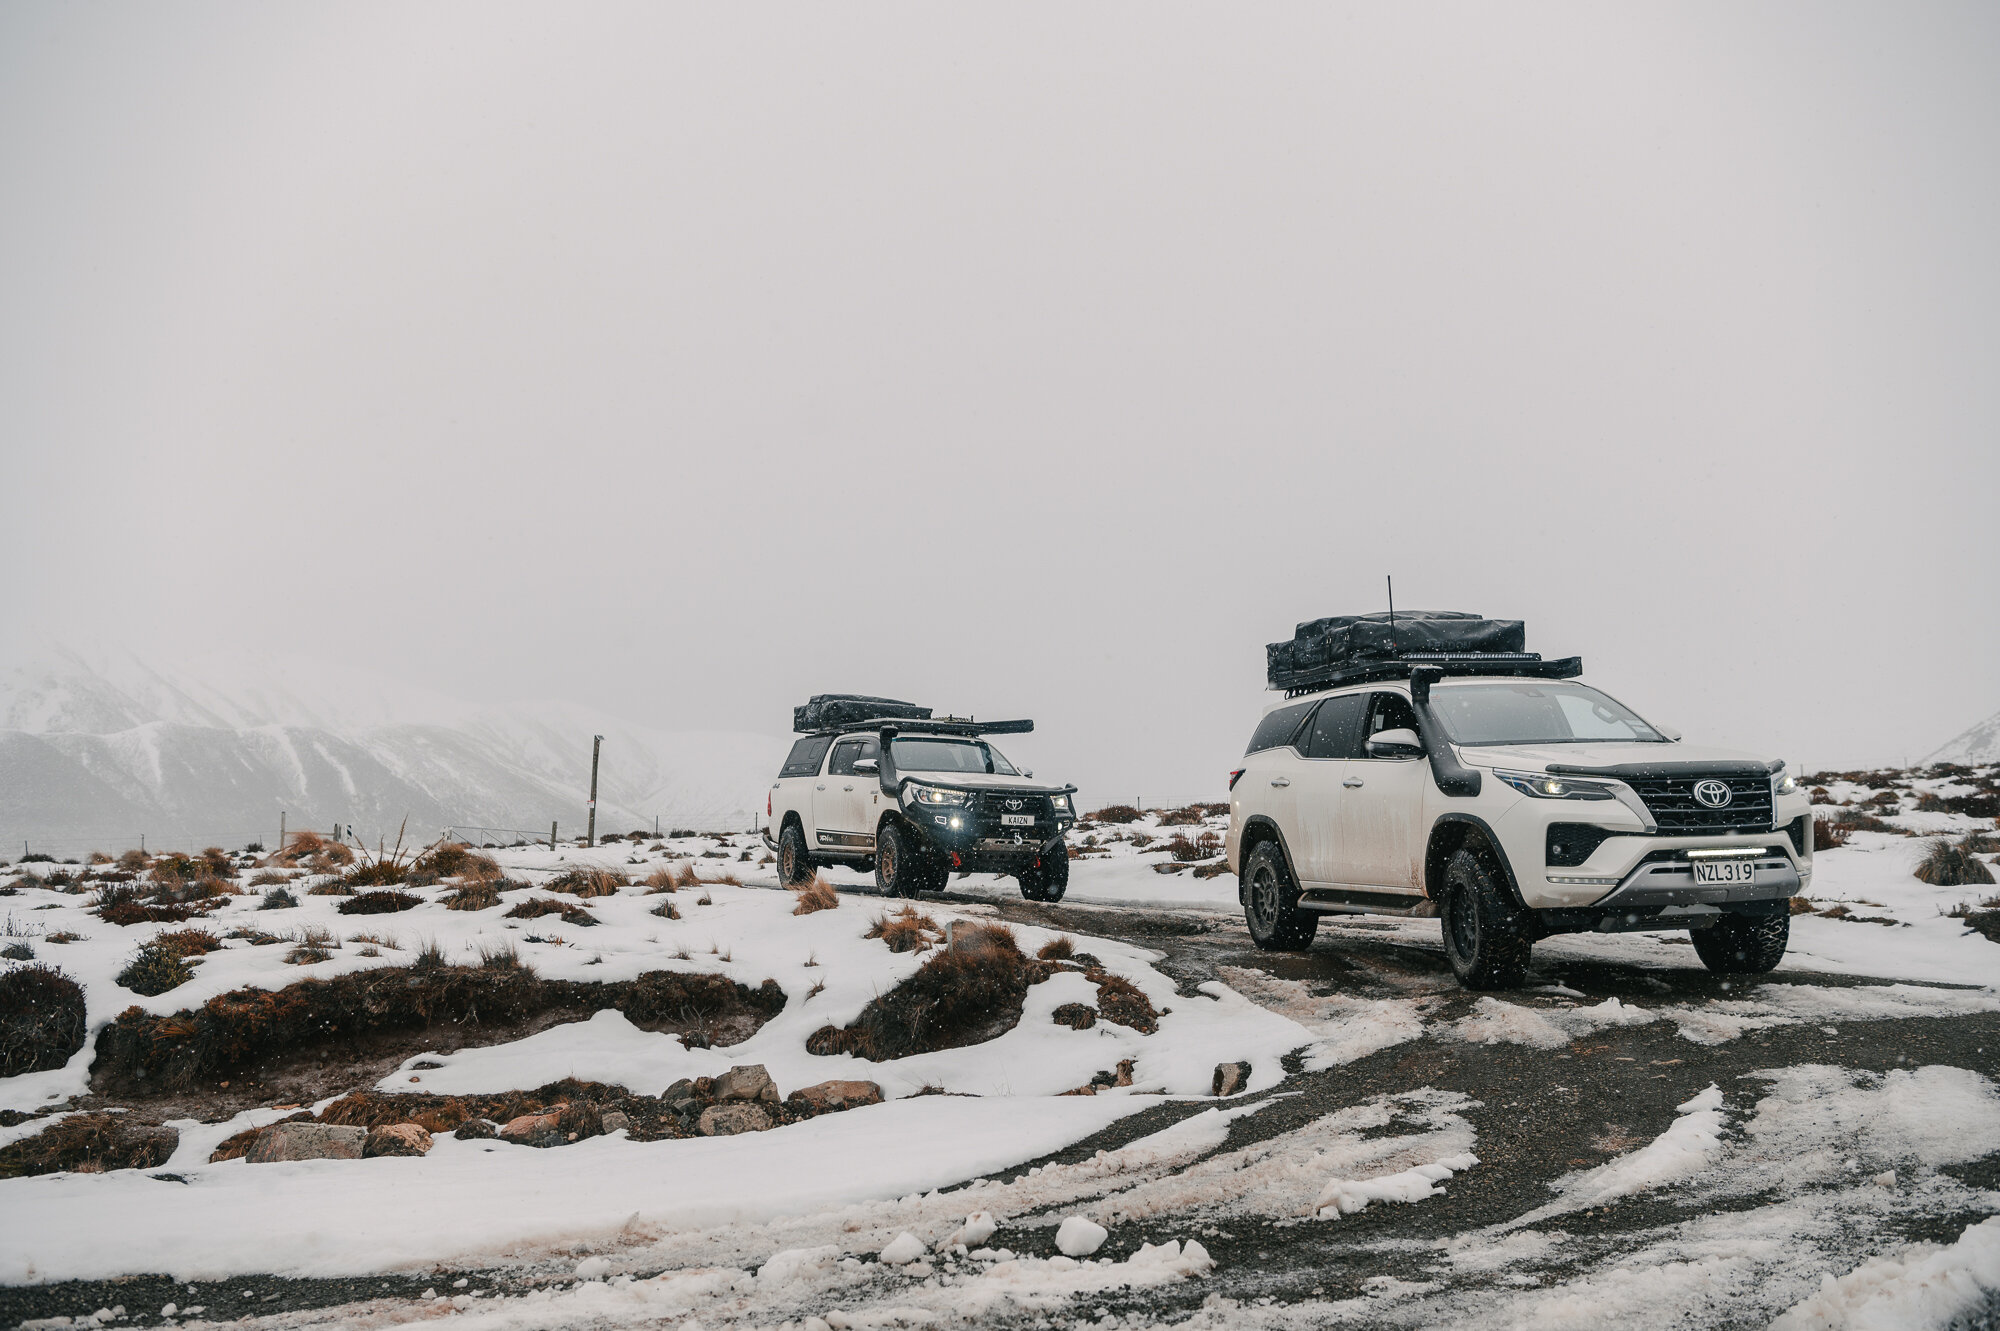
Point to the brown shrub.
(908, 931)
(140, 1052)
(964, 995)
(1829, 835)
(1949, 865)
(269, 878)
(89, 1143)
(660, 880)
(1118, 1000)
(1116, 813)
(473, 894)
(1059, 948)
(1076, 1016)
(815, 895)
(1184, 851)
(41, 1019)
(589, 881)
(1186, 817)
(379, 903)
(154, 970)
(536, 907)
(133, 861)
(188, 942)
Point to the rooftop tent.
(1323, 647)
(845, 709)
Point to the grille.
(987, 809)
(1675, 808)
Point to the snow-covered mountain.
(98, 747)
(1980, 744)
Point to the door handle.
(851, 787)
(819, 787)
(1351, 781)
(1280, 781)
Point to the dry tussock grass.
(1060, 948)
(815, 896)
(536, 907)
(589, 881)
(908, 931)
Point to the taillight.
(767, 801)
(1233, 775)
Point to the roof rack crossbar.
(943, 725)
(1520, 664)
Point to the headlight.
(1545, 787)
(933, 795)
(1060, 803)
(1784, 783)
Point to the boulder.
(307, 1141)
(747, 1082)
(831, 1095)
(726, 1120)
(476, 1129)
(532, 1128)
(615, 1120)
(397, 1139)
(1230, 1078)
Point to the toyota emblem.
(1712, 793)
(1014, 804)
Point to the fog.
(1030, 360)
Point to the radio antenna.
(1391, 578)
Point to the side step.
(1361, 901)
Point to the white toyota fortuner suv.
(1495, 791)
(877, 783)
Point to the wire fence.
(19, 844)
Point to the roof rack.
(943, 725)
(1528, 664)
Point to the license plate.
(1724, 871)
(1017, 820)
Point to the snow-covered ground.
(808, 1219)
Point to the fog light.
(954, 824)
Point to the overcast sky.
(1027, 359)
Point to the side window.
(1336, 727)
(1275, 731)
(805, 755)
(849, 752)
(1389, 711)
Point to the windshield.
(950, 755)
(1536, 712)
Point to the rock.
(615, 1121)
(729, 1119)
(476, 1129)
(397, 1139)
(906, 1248)
(1124, 1077)
(748, 1082)
(1076, 1016)
(1078, 1237)
(831, 1095)
(532, 1128)
(307, 1141)
(1230, 1078)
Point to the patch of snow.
(1923, 1286)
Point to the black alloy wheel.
(1271, 903)
(1487, 937)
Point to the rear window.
(1275, 731)
(805, 755)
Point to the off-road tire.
(1271, 903)
(1743, 944)
(795, 864)
(903, 866)
(1486, 936)
(1050, 879)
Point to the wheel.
(1486, 936)
(795, 864)
(903, 866)
(1048, 878)
(1743, 944)
(1271, 903)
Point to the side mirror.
(868, 767)
(1395, 744)
(1671, 733)
(1027, 771)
